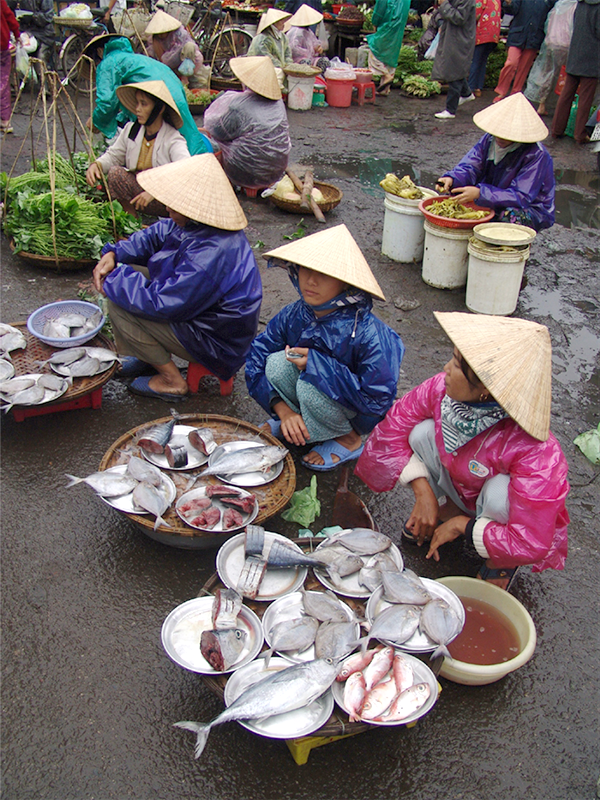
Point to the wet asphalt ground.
(89, 695)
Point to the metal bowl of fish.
(179, 453)
(275, 582)
(66, 323)
(125, 502)
(181, 637)
(32, 389)
(398, 695)
(296, 635)
(82, 362)
(201, 509)
(236, 456)
(290, 725)
(419, 641)
(358, 556)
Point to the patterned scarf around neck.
(461, 422)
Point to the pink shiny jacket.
(536, 532)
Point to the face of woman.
(178, 218)
(279, 26)
(457, 385)
(502, 142)
(317, 288)
(144, 105)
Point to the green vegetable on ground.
(419, 86)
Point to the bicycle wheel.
(228, 44)
(70, 53)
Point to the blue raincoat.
(389, 17)
(522, 179)
(204, 282)
(121, 65)
(354, 358)
(526, 29)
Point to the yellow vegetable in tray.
(452, 209)
(286, 190)
(401, 188)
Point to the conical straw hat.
(513, 360)
(162, 22)
(332, 252)
(99, 41)
(305, 16)
(126, 95)
(269, 17)
(198, 188)
(513, 118)
(258, 74)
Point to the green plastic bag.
(304, 506)
(589, 444)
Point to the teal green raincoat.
(389, 17)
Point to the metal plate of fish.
(216, 503)
(182, 630)
(246, 478)
(230, 561)
(349, 586)
(125, 501)
(421, 673)
(301, 722)
(179, 437)
(288, 608)
(419, 642)
(49, 394)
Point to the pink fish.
(406, 703)
(379, 699)
(379, 667)
(403, 673)
(354, 695)
(357, 663)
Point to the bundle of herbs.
(409, 65)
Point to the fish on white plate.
(155, 439)
(406, 703)
(404, 587)
(226, 608)
(324, 606)
(441, 623)
(289, 635)
(222, 648)
(362, 541)
(336, 640)
(153, 500)
(395, 624)
(6, 369)
(247, 459)
(106, 484)
(141, 470)
(64, 357)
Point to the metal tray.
(419, 642)
(201, 492)
(125, 501)
(182, 629)
(50, 395)
(245, 478)
(504, 233)
(179, 436)
(301, 722)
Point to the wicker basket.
(73, 22)
(49, 262)
(331, 194)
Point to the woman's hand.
(466, 194)
(292, 425)
(292, 353)
(425, 514)
(444, 184)
(447, 532)
(93, 174)
(106, 265)
(141, 200)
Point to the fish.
(207, 518)
(403, 673)
(404, 587)
(324, 606)
(55, 329)
(156, 438)
(226, 608)
(338, 560)
(65, 357)
(293, 687)
(27, 397)
(53, 382)
(283, 556)
(12, 340)
(203, 440)
(354, 695)
(370, 575)
(397, 623)
(106, 484)
(379, 699)
(254, 540)
(13, 386)
(6, 369)
(219, 491)
(291, 634)
(379, 667)
(141, 470)
(441, 623)
(251, 576)
(357, 663)
(363, 541)
(177, 455)
(222, 648)
(406, 703)
(247, 459)
(193, 506)
(244, 504)
(232, 519)
(335, 639)
(151, 499)
(84, 367)
(103, 354)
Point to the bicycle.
(78, 34)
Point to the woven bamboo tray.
(25, 361)
(331, 194)
(73, 23)
(272, 497)
(49, 262)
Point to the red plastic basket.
(447, 222)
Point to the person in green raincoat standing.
(120, 65)
(389, 18)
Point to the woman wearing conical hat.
(187, 286)
(271, 41)
(151, 141)
(304, 44)
(477, 437)
(251, 127)
(325, 368)
(509, 169)
(172, 44)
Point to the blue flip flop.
(141, 386)
(131, 367)
(329, 448)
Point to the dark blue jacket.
(354, 358)
(526, 29)
(523, 179)
(203, 281)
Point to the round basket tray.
(26, 361)
(448, 222)
(331, 194)
(49, 262)
(73, 23)
(272, 497)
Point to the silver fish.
(281, 555)
(291, 635)
(251, 575)
(83, 368)
(53, 382)
(107, 484)
(225, 609)
(155, 439)
(55, 329)
(324, 606)
(293, 687)
(335, 639)
(103, 354)
(396, 624)
(65, 357)
(12, 340)
(28, 397)
(92, 321)
(141, 470)
(406, 703)
(441, 623)
(151, 499)
(71, 320)
(222, 648)
(404, 587)
(6, 369)
(254, 540)
(338, 560)
(247, 459)
(14, 385)
(362, 541)
(203, 440)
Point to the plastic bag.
(589, 444)
(432, 49)
(21, 60)
(186, 67)
(304, 506)
(560, 24)
(76, 11)
(340, 71)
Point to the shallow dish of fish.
(350, 585)
(222, 507)
(421, 674)
(419, 642)
(275, 583)
(178, 437)
(26, 397)
(93, 361)
(245, 478)
(292, 724)
(182, 630)
(289, 608)
(125, 502)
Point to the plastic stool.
(249, 192)
(361, 89)
(92, 399)
(197, 371)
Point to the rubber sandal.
(498, 573)
(408, 536)
(329, 448)
(141, 387)
(131, 367)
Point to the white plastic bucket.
(403, 232)
(300, 92)
(494, 278)
(445, 256)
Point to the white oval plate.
(419, 642)
(422, 674)
(275, 582)
(291, 725)
(179, 436)
(218, 528)
(246, 478)
(49, 394)
(182, 629)
(125, 501)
